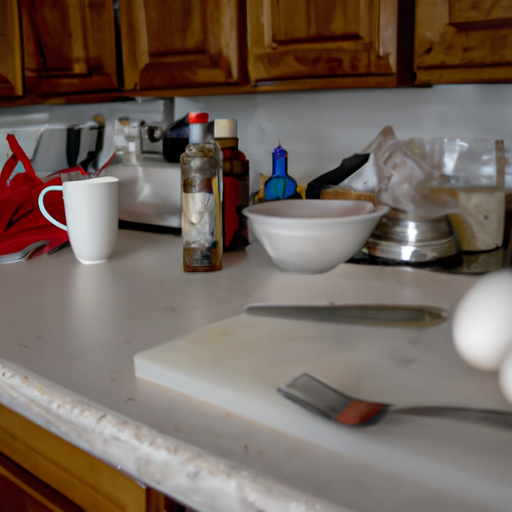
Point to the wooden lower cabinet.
(21, 491)
(40, 472)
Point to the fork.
(318, 397)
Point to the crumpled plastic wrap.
(455, 156)
(396, 176)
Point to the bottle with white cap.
(235, 180)
(201, 207)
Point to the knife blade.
(386, 315)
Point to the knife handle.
(72, 145)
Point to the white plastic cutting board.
(238, 363)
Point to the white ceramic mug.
(92, 215)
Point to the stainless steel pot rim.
(417, 252)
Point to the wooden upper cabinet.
(11, 75)
(459, 41)
(290, 39)
(68, 46)
(179, 43)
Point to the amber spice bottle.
(235, 183)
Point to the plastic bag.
(396, 176)
(21, 222)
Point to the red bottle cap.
(197, 117)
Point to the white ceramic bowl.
(313, 235)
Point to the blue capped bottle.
(280, 185)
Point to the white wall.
(320, 128)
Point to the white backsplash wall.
(317, 128)
(320, 128)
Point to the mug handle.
(43, 209)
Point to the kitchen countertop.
(69, 335)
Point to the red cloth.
(21, 221)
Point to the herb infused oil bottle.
(201, 205)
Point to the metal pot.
(402, 237)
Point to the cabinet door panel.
(21, 491)
(11, 78)
(483, 14)
(302, 20)
(320, 38)
(463, 41)
(84, 480)
(180, 43)
(69, 46)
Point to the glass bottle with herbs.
(201, 178)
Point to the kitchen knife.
(364, 314)
(73, 145)
(85, 142)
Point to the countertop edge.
(171, 466)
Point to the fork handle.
(488, 416)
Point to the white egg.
(482, 322)
(505, 377)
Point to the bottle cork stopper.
(225, 128)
